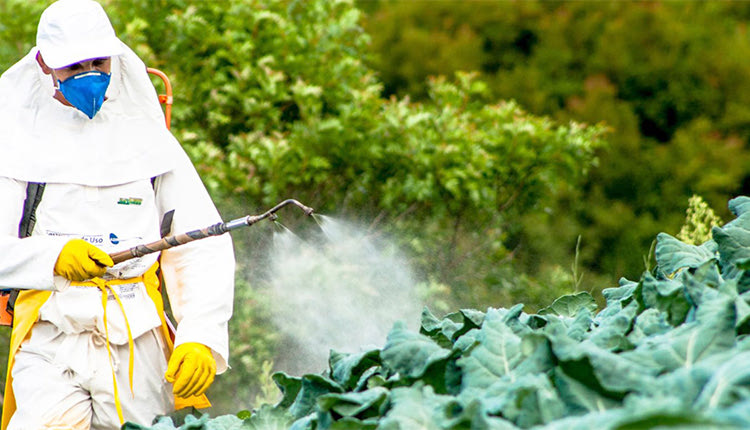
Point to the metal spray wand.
(213, 230)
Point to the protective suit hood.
(43, 140)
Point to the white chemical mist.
(341, 291)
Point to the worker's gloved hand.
(191, 369)
(80, 260)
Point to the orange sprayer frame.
(6, 318)
(165, 99)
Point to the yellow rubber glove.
(80, 260)
(191, 369)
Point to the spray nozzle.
(271, 213)
(308, 210)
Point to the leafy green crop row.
(669, 351)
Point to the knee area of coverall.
(84, 401)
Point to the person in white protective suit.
(90, 346)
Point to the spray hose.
(213, 230)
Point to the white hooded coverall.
(110, 180)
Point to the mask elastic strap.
(56, 81)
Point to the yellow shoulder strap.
(27, 308)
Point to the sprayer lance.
(213, 230)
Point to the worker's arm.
(24, 263)
(199, 276)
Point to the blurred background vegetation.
(515, 150)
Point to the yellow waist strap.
(105, 286)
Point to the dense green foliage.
(670, 77)
(668, 351)
(274, 99)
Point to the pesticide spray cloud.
(341, 292)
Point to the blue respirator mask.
(85, 91)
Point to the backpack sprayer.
(213, 230)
